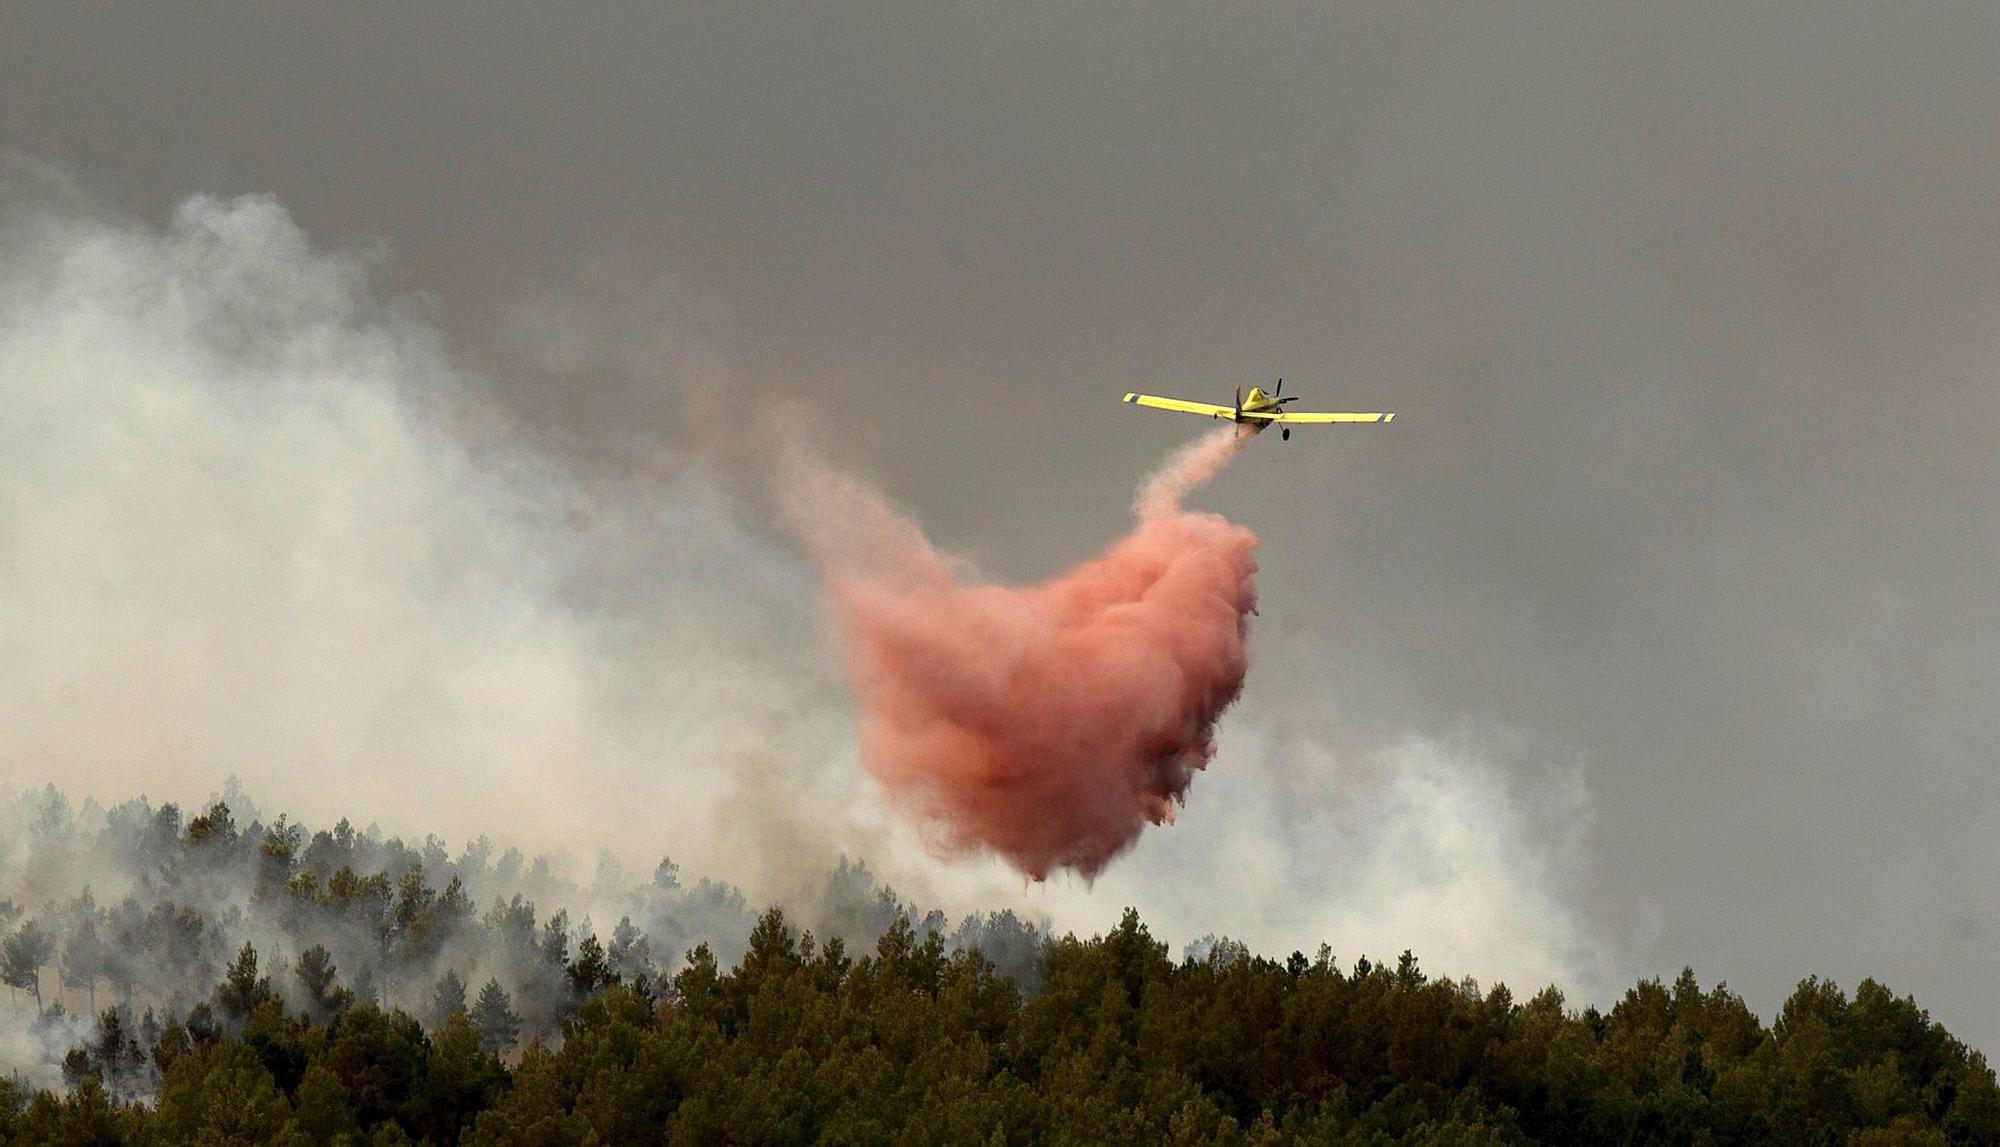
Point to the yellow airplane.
(1257, 410)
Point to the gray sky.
(1687, 525)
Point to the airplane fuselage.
(1255, 402)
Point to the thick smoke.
(141, 911)
(254, 519)
(1050, 723)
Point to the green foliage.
(493, 1016)
(215, 828)
(447, 997)
(917, 1043)
(317, 975)
(221, 1095)
(242, 989)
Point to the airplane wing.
(1208, 408)
(1342, 416)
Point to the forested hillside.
(145, 910)
(543, 1033)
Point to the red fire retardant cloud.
(1046, 723)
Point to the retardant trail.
(1048, 723)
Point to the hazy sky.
(1666, 611)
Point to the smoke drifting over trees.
(793, 1035)
(141, 918)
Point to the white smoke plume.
(253, 521)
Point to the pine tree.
(591, 970)
(447, 997)
(453, 911)
(216, 826)
(242, 989)
(413, 901)
(493, 1014)
(115, 1053)
(630, 953)
(697, 990)
(277, 856)
(22, 958)
(555, 939)
(315, 972)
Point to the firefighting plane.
(1256, 410)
